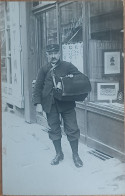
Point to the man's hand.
(39, 108)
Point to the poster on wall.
(111, 62)
(73, 53)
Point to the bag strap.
(53, 76)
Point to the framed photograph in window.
(107, 91)
(112, 60)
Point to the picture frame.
(112, 62)
(107, 91)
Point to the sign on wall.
(73, 53)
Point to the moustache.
(53, 58)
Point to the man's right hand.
(39, 108)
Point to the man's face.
(53, 57)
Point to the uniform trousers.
(70, 124)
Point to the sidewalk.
(27, 153)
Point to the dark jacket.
(43, 90)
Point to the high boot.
(74, 146)
(59, 154)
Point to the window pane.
(3, 43)
(71, 23)
(2, 29)
(9, 40)
(3, 70)
(71, 34)
(51, 25)
(7, 14)
(2, 23)
(9, 70)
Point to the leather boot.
(74, 146)
(59, 154)
(77, 161)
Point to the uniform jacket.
(43, 89)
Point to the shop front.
(90, 34)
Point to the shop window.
(71, 33)
(106, 51)
(51, 26)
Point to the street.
(26, 156)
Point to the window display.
(105, 49)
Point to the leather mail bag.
(74, 88)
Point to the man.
(43, 94)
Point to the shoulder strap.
(53, 76)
